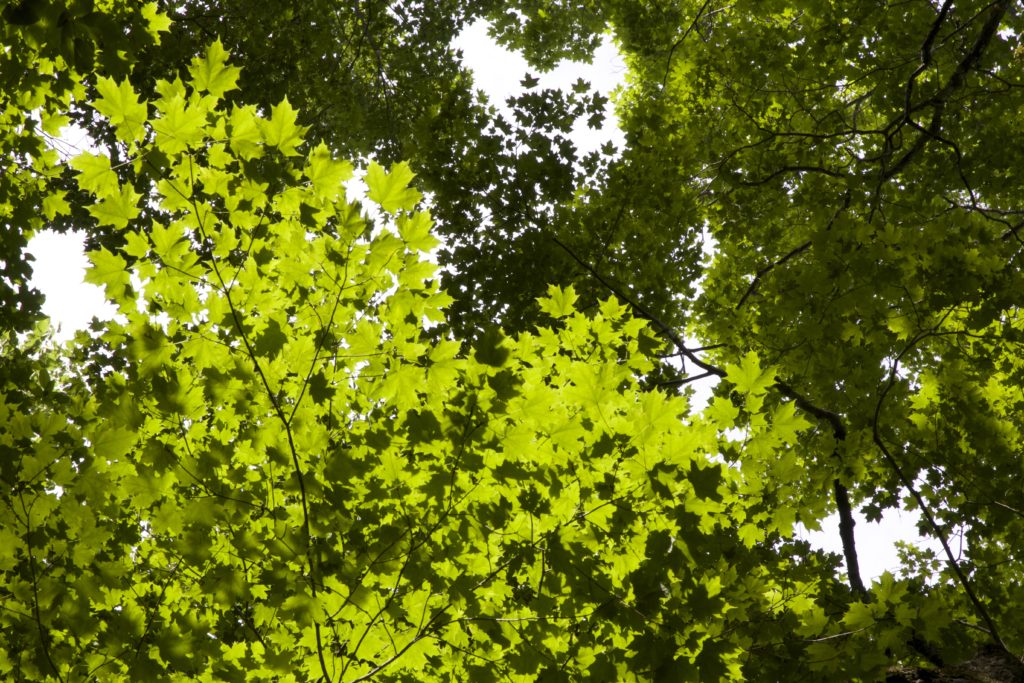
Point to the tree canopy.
(441, 429)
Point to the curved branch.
(796, 251)
(835, 421)
(919, 499)
(686, 34)
(926, 57)
(791, 169)
(956, 80)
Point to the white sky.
(498, 73)
(58, 273)
(71, 304)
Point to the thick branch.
(956, 80)
(926, 57)
(842, 494)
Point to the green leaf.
(117, 209)
(327, 174)
(121, 105)
(157, 22)
(282, 130)
(491, 349)
(748, 377)
(859, 616)
(108, 270)
(559, 302)
(416, 231)
(391, 190)
(54, 204)
(179, 127)
(787, 423)
(54, 122)
(245, 137)
(95, 174)
(212, 73)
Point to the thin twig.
(279, 411)
(796, 251)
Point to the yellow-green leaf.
(119, 103)
(749, 377)
(157, 21)
(559, 302)
(326, 173)
(415, 231)
(94, 173)
(245, 136)
(179, 127)
(55, 203)
(282, 130)
(391, 190)
(118, 208)
(212, 73)
(108, 270)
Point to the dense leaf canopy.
(440, 428)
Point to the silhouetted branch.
(675, 45)
(769, 268)
(905, 481)
(795, 252)
(842, 495)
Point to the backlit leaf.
(119, 103)
(212, 73)
(391, 189)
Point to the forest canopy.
(442, 429)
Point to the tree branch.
(311, 578)
(791, 169)
(938, 102)
(796, 251)
(44, 635)
(919, 499)
(686, 34)
(842, 494)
